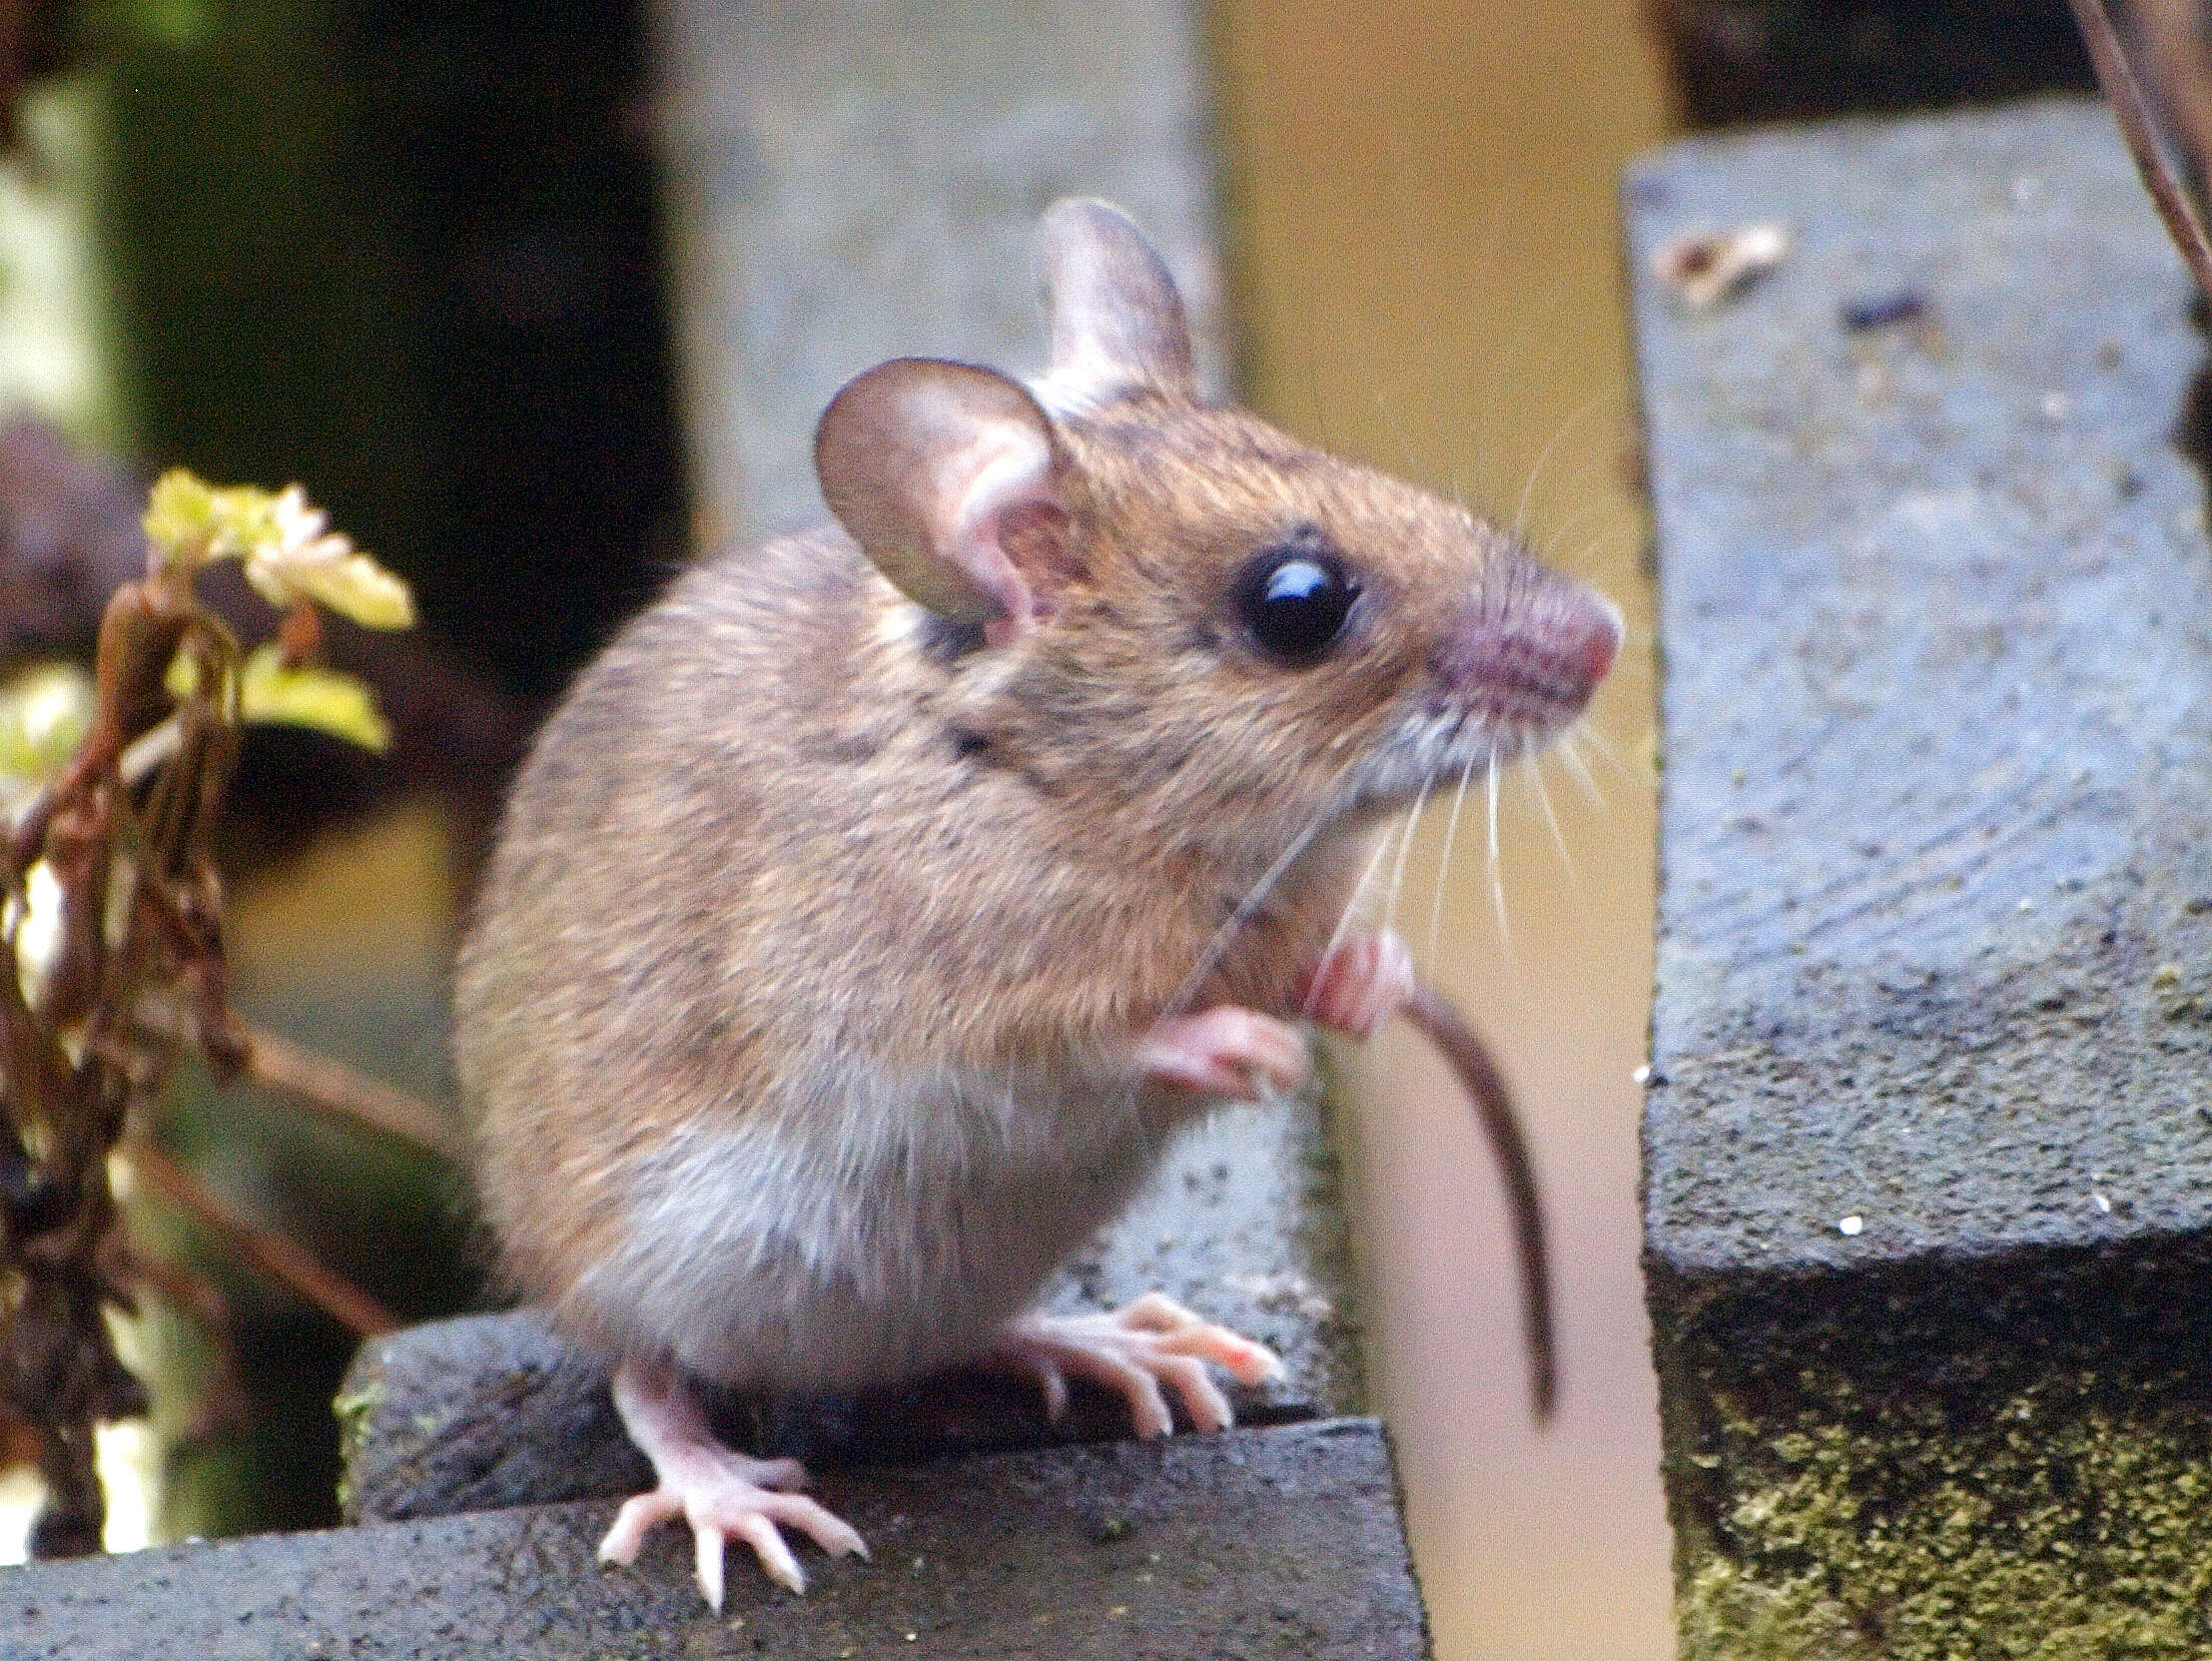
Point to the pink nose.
(1589, 639)
(1537, 644)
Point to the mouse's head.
(1177, 605)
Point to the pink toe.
(768, 1546)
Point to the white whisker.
(1405, 847)
(1556, 536)
(1497, 873)
(1599, 476)
(1500, 371)
(1586, 558)
(1397, 433)
(1519, 512)
(1567, 752)
(1534, 772)
(1248, 907)
(1444, 860)
(1352, 908)
(1209, 957)
(1609, 753)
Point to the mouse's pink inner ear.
(948, 476)
(1117, 323)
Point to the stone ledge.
(1928, 1175)
(1240, 1222)
(1257, 1543)
(1938, 707)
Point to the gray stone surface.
(859, 180)
(1277, 1543)
(477, 1413)
(1241, 1223)
(1937, 613)
(1928, 1136)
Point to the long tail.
(1457, 1042)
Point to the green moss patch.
(1955, 1465)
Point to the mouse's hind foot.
(1133, 1351)
(723, 1494)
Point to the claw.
(640, 1513)
(1249, 1363)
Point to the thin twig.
(1459, 1044)
(195, 1295)
(272, 1253)
(342, 1092)
(2178, 59)
(2133, 110)
(328, 1087)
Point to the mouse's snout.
(1529, 652)
(1588, 639)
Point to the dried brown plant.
(111, 916)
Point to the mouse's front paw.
(1133, 1351)
(1362, 983)
(1230, 1052)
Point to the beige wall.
(1431, 281)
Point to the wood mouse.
(883, 900)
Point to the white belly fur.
(877, 1237)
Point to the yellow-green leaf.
(290, 551)
(301, 559)
(348, 583)
(179, 518)
(44, 714)
(325, 699)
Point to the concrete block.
(1929, 1136)
(1256, 1544)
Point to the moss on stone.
(1985, 1470)
(355, 1411)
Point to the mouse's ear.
(948, 479)
(1117, 320)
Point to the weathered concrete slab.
(861, 180)
(1938, 707)
(1929, 1140)
(1253, 1544)
(1241, 1223)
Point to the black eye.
(1294, 600)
